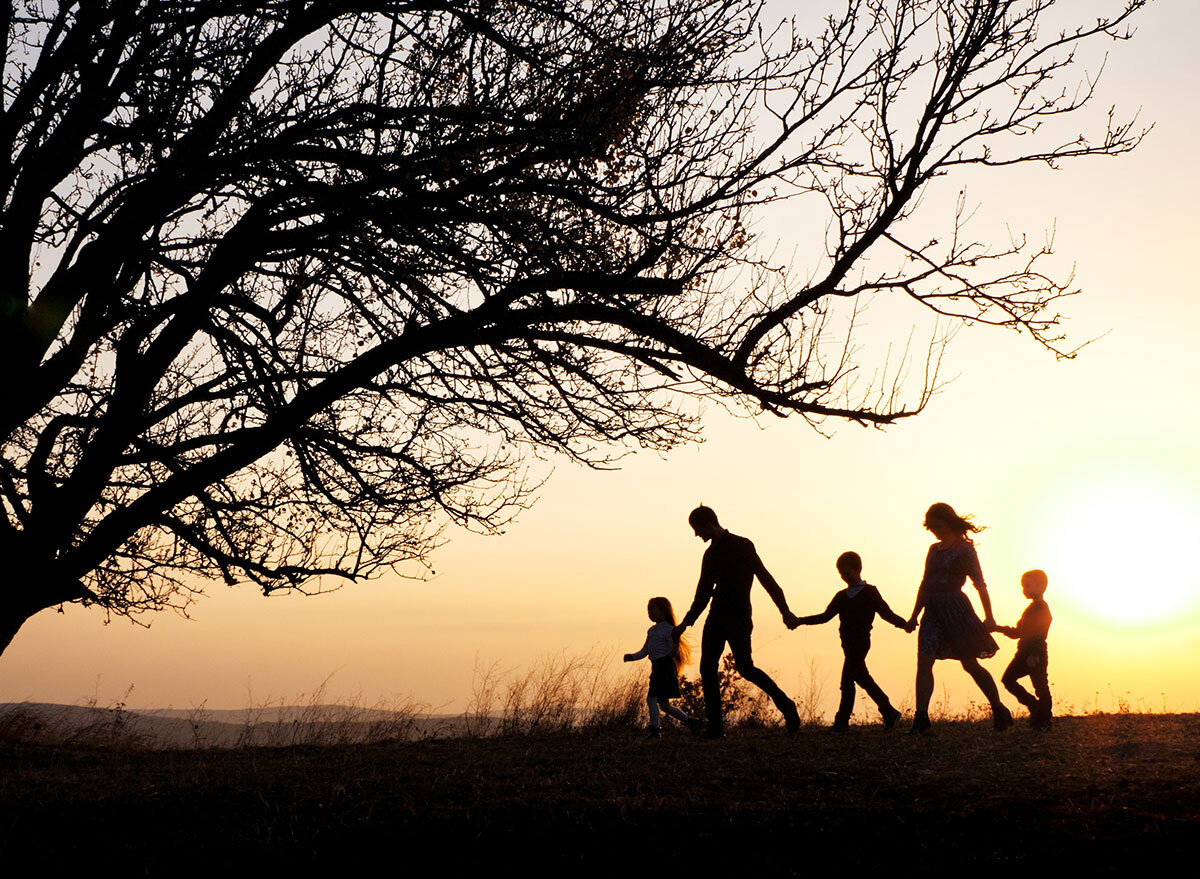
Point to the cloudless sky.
(1086, 468)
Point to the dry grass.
(309, 720)
(76, 726)
(558, 693)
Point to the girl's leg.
(1001, 716)
(983, 680)
(652, 704)
(924, 683)
(671, 711)
(924, 694)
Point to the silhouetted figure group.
(949, 629)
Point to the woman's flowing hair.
(683, 647)
(960, 525)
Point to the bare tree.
(289, 284)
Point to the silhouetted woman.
(949, 628)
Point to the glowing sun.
(1127, 553)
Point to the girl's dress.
(660, 647)
(949, 627)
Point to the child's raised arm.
(641, 654)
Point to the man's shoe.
(695, 725)
(920, 726)
(1002, 718)
(652, 732)
(890, 718)
(791, 718)
(713, 732)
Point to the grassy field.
(1106, 792)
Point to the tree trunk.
(11, 620)
(30, 589)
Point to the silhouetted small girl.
(1031, 658)
(667, 656)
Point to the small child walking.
(856, 606)
(1031, 631)
(667, 656)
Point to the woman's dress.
(949, 627)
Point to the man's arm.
(774, 590)
(704, 591)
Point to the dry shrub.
(313, 720)
(742, 703)
(808, 696)
(22, 723)
(556, 694)
(310, 721)
(87, 726)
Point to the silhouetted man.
(726, 575)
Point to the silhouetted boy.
(1031, 630)
(856, 606)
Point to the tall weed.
(556, 694)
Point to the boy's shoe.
(839, 726)
(1002, 718)
(695, 725)
(652, 732)
(1040, 718)
(713, 732)
(890, 718)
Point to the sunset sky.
(1086, 468)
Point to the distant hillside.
(277, 725)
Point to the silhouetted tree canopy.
(289, 284)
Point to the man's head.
(704, 522)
